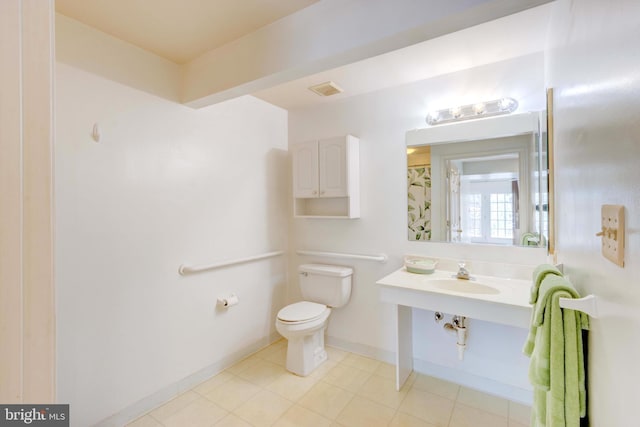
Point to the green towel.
(539, 274)
(556, 370)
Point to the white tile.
(406, 420)
(326, 399)
(233, 393)
(263, 409)
(200, 413)
(361, 412)
(291, 386)
(386, 370)
(297, 416)
(145, 421)
(243, 364)
(232, 420)
(348, 390)
(347, 377)
(213, 382)
(171, 407)
(335, 355)
(436, 386)
(279, 357)
(483, 401)
(427, 406)
(320, 371)
(382, 390)
(271, 349)
(412, 379)
(467, 416)
(361, 362)
(262, 373)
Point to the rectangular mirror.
(480, 181)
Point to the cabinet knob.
(314, 192)
(322, 192)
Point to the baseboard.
(156, 399)
(486, 385)
(362, 349)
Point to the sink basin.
(464, 286)
(490, 298)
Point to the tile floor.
(346, 391)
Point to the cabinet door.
(333, 167)
(305, 169)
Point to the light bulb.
(505, 103)
(432, 117)
(455, 112)
(479, 108)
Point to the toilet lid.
(304, 310)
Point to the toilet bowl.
(303, 324)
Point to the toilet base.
(306, 353)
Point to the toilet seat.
(301, 312)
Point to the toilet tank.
(325, 284)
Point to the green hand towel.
(557, 361)
(539, 274)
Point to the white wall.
(594, 67)
(166, 185)
(381, 120)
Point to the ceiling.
(499, 40)
(182, 30)
(178, 30)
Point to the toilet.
(303, 323)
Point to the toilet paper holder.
(228, 300)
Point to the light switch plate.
(613, 233)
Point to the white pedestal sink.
(487, 298)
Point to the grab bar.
(379, 258)
(184, 269)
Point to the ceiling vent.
(326, 89)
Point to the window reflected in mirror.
(484, 199)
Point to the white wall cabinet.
(326, 178)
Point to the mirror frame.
(551, 242)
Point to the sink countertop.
(510, 305)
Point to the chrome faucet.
(463, 273)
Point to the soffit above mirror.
(492, 127)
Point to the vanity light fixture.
(473, 111)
